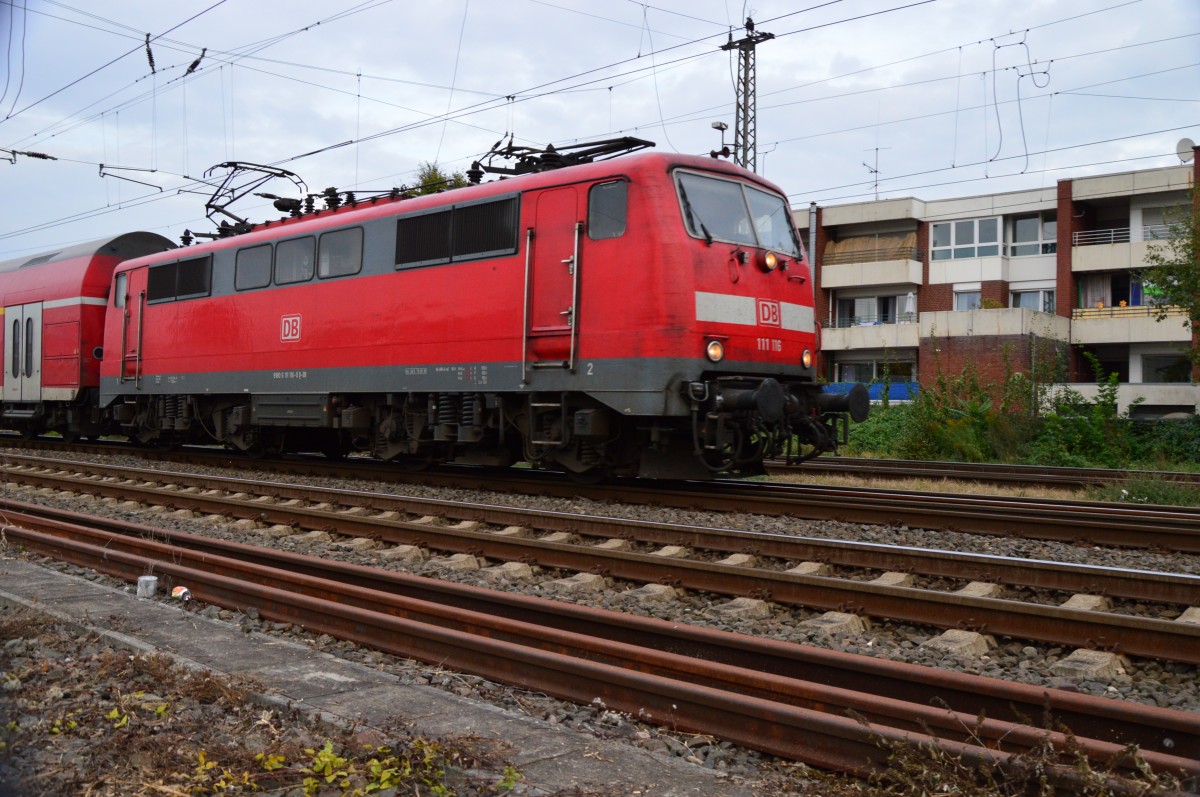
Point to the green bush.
(1173, 445)
(1162, 492)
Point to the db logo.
(768, 313)
(289, 328)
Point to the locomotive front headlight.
(768, 261)
(715, 350)
(806, 359)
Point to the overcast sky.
(943, 98)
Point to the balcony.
(891, 266)
(1136, 324)
(1176, 396)
(866, 332)
(1118, 248)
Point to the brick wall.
(993, 357)
(1065, 290)
(816, 260)
(996, 290)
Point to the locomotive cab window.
(294, 261)
(185, 279)
(607, 210)
(120, 288)
(340, 253)
(731, 211)
(253, 268)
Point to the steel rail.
(992, 473)
(698, 691)
(1141, 526)
(1114, 582)
(1127, 634)
(960, 692)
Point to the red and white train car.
(53, 307)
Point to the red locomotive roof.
(367, 209)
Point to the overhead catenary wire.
(461, 117)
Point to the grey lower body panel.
(632, 387)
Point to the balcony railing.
(872, 320)
(871, 255)
(1132, 311)
(1093, 237)
(1120, 235)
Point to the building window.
(1156, 222)
(1158, 368)
(866, 311)
(1034, 234)
(875, 370)
(955, 240)
(1042, 301)
(966, 300)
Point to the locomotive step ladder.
(543, 408)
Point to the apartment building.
(907, 288)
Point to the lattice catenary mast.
(745, 145)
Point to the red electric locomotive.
(645, 315)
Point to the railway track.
(987, 473)
(1077, 522)
(777, 567)
(787, 700)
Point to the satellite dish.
(1184, 149)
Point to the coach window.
(16, 348)
(607, 210)
(340, 253)
(294, 261)
(253, 268)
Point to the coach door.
(552, 281)
(23, 352)
(130, 293)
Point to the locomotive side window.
(160, 283)
(186, 279)
(194, 278)
(463, 232)
(253, 268)
(120, 289)
(423, 240)
(340, 253)
(488, 229)
(294, 261)
(607, 210)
